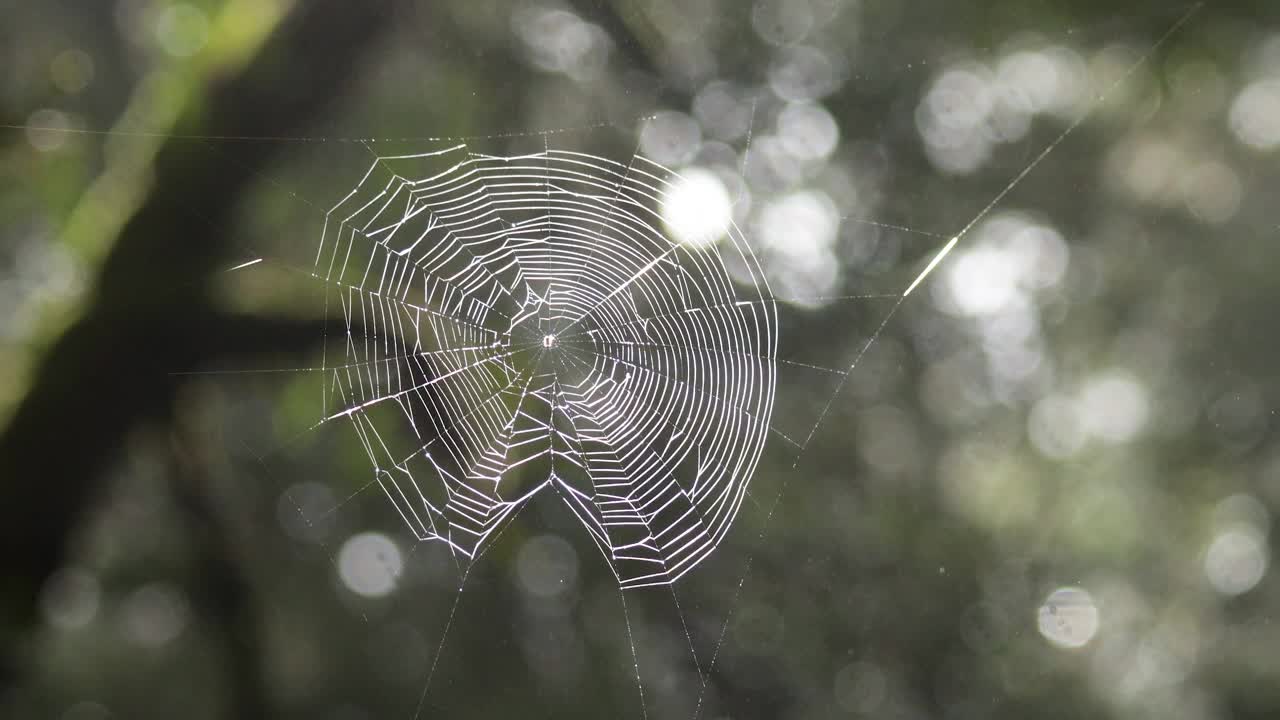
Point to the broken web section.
(523, 325)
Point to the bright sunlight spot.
(697, 210)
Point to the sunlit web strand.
(320, 139)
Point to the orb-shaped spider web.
(529, 324)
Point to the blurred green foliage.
(1045, 489)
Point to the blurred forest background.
(1046, 490)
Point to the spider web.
(523, 317)
(517, 326)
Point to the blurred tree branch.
(111, 369)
